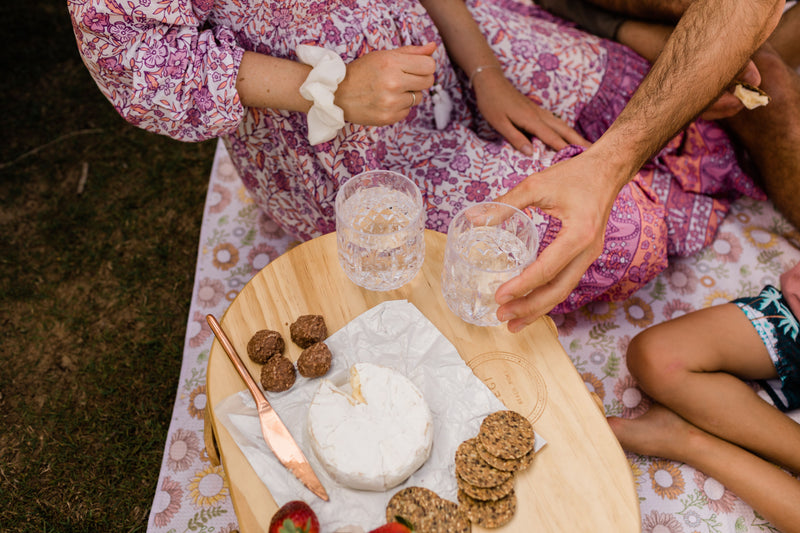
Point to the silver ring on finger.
(413, 98)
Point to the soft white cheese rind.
(375, 444)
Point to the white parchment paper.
(397, 335)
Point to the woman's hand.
(513, 114)
(378, 87)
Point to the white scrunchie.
(325, 118)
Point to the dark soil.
(99, 227)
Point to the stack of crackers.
(485, 469)
(486, 466)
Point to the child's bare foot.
(660, 432)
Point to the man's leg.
(771, 134)
(690, 365)
(785, 37)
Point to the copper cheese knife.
(277, 436)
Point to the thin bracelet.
(480, 69)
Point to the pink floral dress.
(170, 66)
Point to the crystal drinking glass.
(380, 223)
(487, 244)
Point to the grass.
(95, 285)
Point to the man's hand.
(578, 193)
(727, 104)
(377, 88)
(513, 114)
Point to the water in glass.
(476, 263)
(381, 240)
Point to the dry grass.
(98, 240)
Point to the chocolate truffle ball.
(278, 374)
(265, 344)
(315, 361)
(308, 330)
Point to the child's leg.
(693, 365)
(769, 490)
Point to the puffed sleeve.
(161, 72)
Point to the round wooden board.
(580, 481)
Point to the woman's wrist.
(307, 85)
(325, 118)
(268, 82)
(480, 69)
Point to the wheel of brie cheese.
(374, 435)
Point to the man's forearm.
(710, 45)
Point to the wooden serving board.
(580, 481)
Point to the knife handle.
(258, 396)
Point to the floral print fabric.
(751, 249)
(170, 66)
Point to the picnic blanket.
(754, 245)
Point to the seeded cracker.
(427, 512)
(509, 465)
(474, 470)
(486, 494)
(447, 518)
(411, 503)
(506, 434)
(489, 514)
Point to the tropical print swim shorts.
(779, 329)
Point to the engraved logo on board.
(514, 380)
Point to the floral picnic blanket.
(752, 248)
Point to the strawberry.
(294, 517)
(394, 527)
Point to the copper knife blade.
(275, 432)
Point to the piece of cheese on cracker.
(751, 96)
(373, 432)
